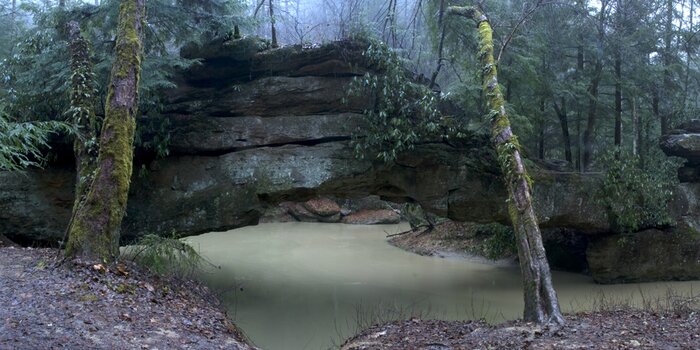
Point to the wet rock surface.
(649, 255)
(683, 141)
(85, 306)
(372, 217)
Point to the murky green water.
(309, 286)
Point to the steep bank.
(80, 307)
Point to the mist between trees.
(579, 76)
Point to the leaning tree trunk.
(541, 304)
(94, 230)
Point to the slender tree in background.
(594, 89)
(82, 112)
(541, 303)
(441, 45)
(560, 110)
(273, 31)
(94, 230)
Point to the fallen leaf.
(121, 270)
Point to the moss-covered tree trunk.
(541, 304)
(82, 112)
(94, 230)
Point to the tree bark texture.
(441, 46)
(666, 106)
(94, 232)
(589, 133)
(636, 131)
(82, 111)
(541, 303)
(564, 122)
(543, 124)
(618, 98)
(273, 31)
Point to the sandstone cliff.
(252, 127)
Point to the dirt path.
(81, 307)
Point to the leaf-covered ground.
(84, 306)
(621, 329)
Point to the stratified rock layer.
(250, 129)
(273, 126)
(649, 255)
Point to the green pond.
(312, 285)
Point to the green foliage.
(21, 144)
(501, 242)
(637, 196)
(153, 134)
(37, 76)
(403, 114)
(167, 257)
(34, 84)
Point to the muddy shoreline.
(81, 306)
(615, 329)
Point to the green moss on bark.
(94, 230)
(541, 304)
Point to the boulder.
(299, 213)
(684, 145)
(35, 205)
(649, 255)
(373, 202)
(692, 126)
(322, 206)
(372, 217)
(302, 212)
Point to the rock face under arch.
(251, 128)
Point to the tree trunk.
(541, 304)
(441, 46)
(541, 145)
(272, 24)
(636, 131)
(689, 50)
(564, 122)
(390, 22)
(94, 230)
(579, 106)
(665, 99)
(655, 109)
(618, 98)
(589, 133)
(579, 143)
(82, 112)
